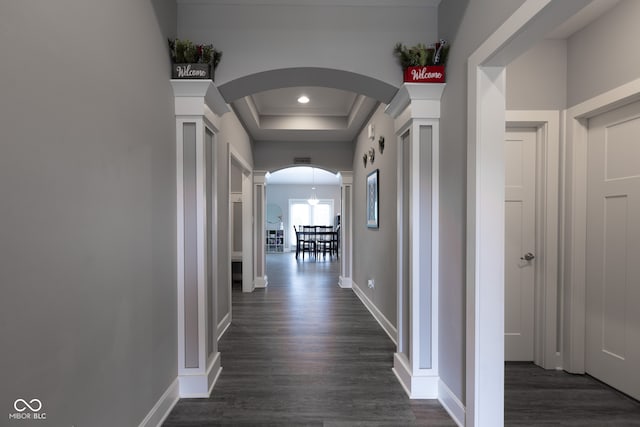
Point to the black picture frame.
(373, 205)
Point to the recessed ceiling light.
(303, 99)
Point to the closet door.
(613, 249)
(519, 261)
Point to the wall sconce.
(381, 144)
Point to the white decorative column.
(346, 230)
(416, 110)
(259, 226)
(198, 107)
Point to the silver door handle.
(528, 256)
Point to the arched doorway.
(287, 193)
(320, 134)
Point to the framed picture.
(372, 199)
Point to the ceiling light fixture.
(313, 200)
(303, 99)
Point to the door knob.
(528, 256)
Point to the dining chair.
(324, 241)
(305, 241)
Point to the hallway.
(305, 352)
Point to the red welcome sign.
(426, 74)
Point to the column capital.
(346, 177)
(260, 177)
(192, 97)
(422, 99)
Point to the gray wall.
(335, 156)
(556, 74)
(537, 80)
(231, 134)
(374, 250)
(604, 55)
(257, 38)
(88, 209)
(466, 24)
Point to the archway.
(308, 76)
(334, 207)
(319, 151)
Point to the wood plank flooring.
(539, 397)
(305, 352)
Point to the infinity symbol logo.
(21, 405)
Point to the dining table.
(318, 241)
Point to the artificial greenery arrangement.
(421, 55)
(187, 52)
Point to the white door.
(520, 159)
(613, 249)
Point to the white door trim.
(247, 222)
(260, 279)
(485, 200)
(575, 234)
(546, 317)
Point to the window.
(302, 213)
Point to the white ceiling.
(323, 102)
(330, 115)
(302, 175)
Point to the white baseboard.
(402, 373)
(377, 314)
(200, 384)
(345, 282)
(214, 372)
(451, 403)
(416, 386)
(261, 282)
(224, 325)
(163, 406)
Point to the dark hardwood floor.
(305, 352)
(539, 397)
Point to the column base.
(261, 282)
(200, 384)
(345, 282)
(416, 386)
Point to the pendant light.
(313, 200)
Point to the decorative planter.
(426, 74)
(191, 71)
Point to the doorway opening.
(300, 197)
(240, 224)
(532, 185)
